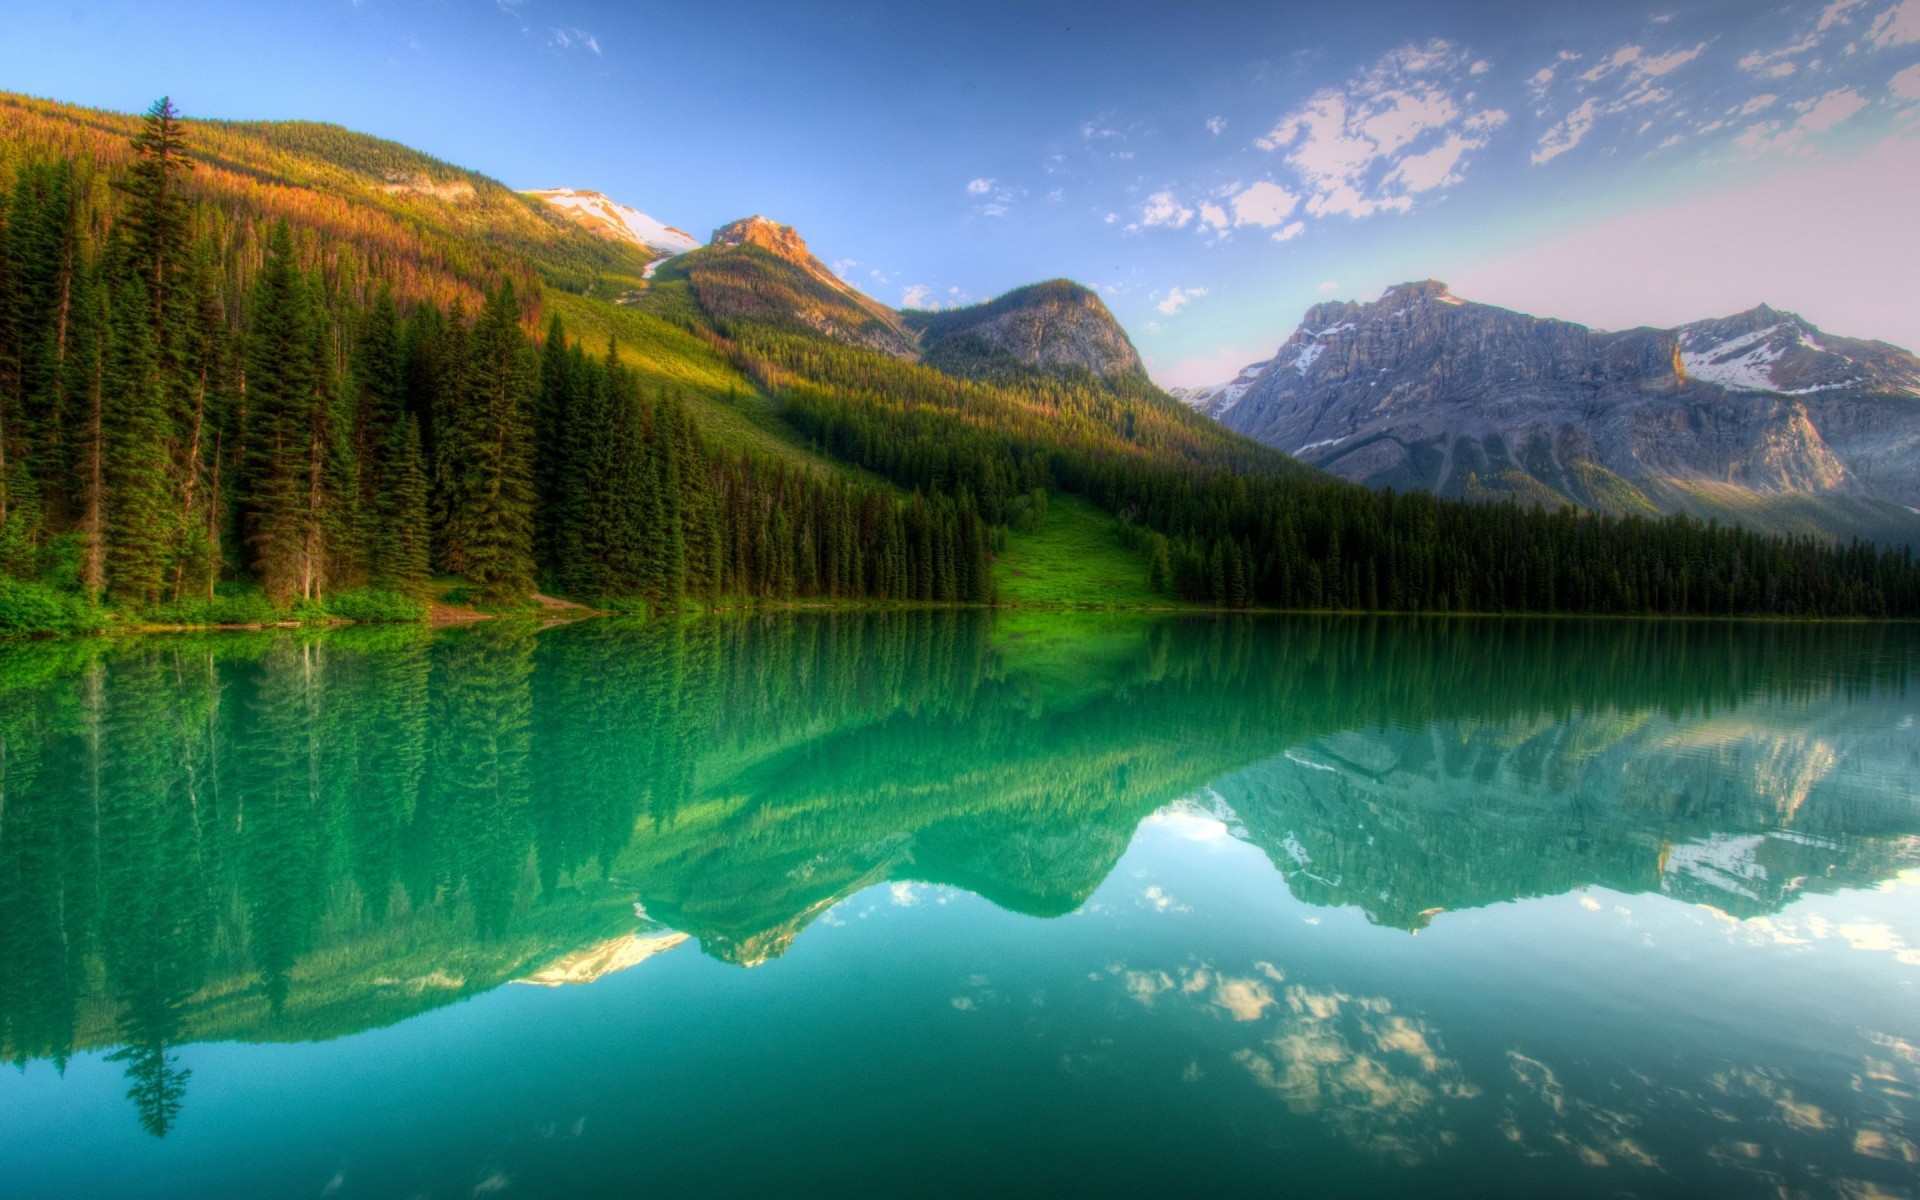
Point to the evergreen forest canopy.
(249, 371)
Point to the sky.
(1213, 169)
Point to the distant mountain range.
(1758, 417)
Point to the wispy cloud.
(1897, 26)
(1404, 126)
(1178, 298)
(1623, 81)
(1164, 208)
(570, 38)
(1216, 125)
(1817, 116)
(996, 198)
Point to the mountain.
(380, 370)
(1759, 417)
(1220, 397)
(1054, 326)
(617, 222)
(758, 271)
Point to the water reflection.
(300, 836)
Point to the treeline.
(1229, 524)
(158, 438)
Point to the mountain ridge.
(1759, 417)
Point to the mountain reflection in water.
(300, 836)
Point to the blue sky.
(1212, 168)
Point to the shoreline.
(442, 616)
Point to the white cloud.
(840, 266)
(1906, 84)
(1264, 203)
(1348, 145)
(1566, 134)
(1773, 63)
(1663, 64)
(1178, 298)
(1817, 115)
(1625, 56)
(1838, 13)
(1898, 25)
(1435, 168)
(1290, 232)
(996, 197)
(1634, 87)
(1756, 104)
(1162, 208)
(571, 38)
(1480, 68)
(915, 296)
(1829, 110)
(1216, 125)
(1330, 285)
(1212, 216)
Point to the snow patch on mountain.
(1742, 364)
(1219, 398)
(618, 221)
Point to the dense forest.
(172, 419)
(225, 398)
(1221, 522)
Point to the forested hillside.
(194, 394)
(1222, 520)
(257, 371)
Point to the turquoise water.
(938, 903)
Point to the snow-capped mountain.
(1220, 398)
(617, 221)
(1765, 350)
(1758, 417)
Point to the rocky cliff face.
(758, 270)
(1759, 417)
(1054, 326)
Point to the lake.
(957, 903)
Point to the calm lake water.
(938, 903)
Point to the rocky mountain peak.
(786, 283)
(1057, 325)
(768, 235)
(1759, 417)
(1766, 349)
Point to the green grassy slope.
(1076, 558)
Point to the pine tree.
(398, 556)
(158, 216)
(141, 516)
(282, 382)
(488, 462)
